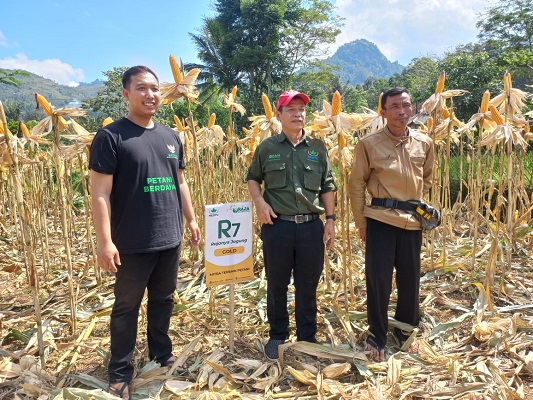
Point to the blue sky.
(73, 41)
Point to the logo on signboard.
(240, 209)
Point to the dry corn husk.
(183, 85)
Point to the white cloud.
(407, 29)
(53, 69)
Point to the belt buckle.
(300, 218)
(390, 203)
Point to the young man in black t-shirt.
(139, 198)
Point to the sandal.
(120, 389)
(411, 348)
(376, 353)
(406, 343)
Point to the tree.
(353, 99)
(8, 76)
(258, 44)
(373, 88)
(471, 69)
(506, 33)
(317, 82)
(14, 110)
(109, 101)
(309, 28)
(217, 72)
(259, 54)
(419, 77)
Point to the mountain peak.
(362, 59)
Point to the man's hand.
(196, 234)
(362, 234)
(329, 233)
(108, 257)
(264, 211)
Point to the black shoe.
(271, 348)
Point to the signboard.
(228, 243)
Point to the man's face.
(143, 95)
(292, 116)
(397, 110)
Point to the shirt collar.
(393, 137)
(305, 138)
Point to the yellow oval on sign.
(229, 251)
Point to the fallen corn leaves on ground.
(470, 346)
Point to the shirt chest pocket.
(312, 177)
(417, 163)
(275, 175)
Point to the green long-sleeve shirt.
(294, 177)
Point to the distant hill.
(357, 60)
(58, 95)
(361, 59)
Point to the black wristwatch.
(332, 217)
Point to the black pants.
(297, 249)
(156, 272)
(388, 247)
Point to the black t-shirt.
(146, 206)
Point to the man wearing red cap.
(298, 186)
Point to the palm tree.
(217, 72)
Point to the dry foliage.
(475, 338)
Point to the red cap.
(287, 96)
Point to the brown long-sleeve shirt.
(386, 166)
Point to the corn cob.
(178, 123)
(268, 108)
(440, 82)
(507, 82)
(107, 121)
(445, 113)
(233, 93)
(336, 104)
(47, 107)
(379, 103)
(342, 141)
(423, 128)
(430, 124)
(496, 116)
(178, 77)
(24, 129)
(252, 146)
(485, 102)
(212, 119)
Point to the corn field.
(475, 338)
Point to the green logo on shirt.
(312, 155)
(172, 153)
(272, 157)
(159, 184)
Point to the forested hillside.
(21, 99)
(361, 59)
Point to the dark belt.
(391, 203)
(298, 218)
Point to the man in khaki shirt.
(393, 165)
